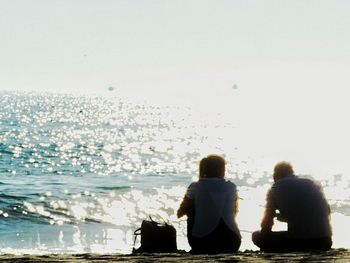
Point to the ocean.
(79, 173)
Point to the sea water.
(80, 173)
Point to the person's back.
(210, 205)
(302, 204)
(214, 200)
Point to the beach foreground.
(336, 255)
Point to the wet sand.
(336, 255)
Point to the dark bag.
(156, 237)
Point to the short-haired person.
(211, 206)
(300, 203)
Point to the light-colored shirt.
(215, 199)
(302, 205)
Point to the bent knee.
(256, 237)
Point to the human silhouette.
(211, 206)
(300, 203)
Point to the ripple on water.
(79, 173)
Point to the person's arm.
(267, 221)
(269, 214)
(236, 204)
(185, 207)
(187, 204)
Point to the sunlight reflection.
(94, 168)
(341, 230)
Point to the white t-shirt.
(214, 199)
(302, 204)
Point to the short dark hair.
(214, 166)
(282, 169)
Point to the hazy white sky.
(142, 46)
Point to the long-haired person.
(211, 207)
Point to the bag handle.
(137, 232)
(164, 222)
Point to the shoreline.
(334, 255)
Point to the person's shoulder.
(191, 190)
(285, 180)
(229, 183)
(282, 183)
(308, 180)
(193, 184)
(303, 181)
(315, 184)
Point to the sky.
(176, 47)
(290, 61)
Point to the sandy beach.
(336, 255)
